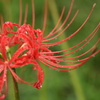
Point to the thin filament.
(20, 13)
(69, 12)
(33, 14)
(56, 43)
(45, 16)
(26, 14)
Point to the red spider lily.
(33, 47)
(38, 47)
(17, 60)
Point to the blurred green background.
(81, 84)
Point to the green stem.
(10, 87)
(73, 74)
(12, 80)
(16, 90)
(13, 93)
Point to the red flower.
(34, 47)
(38, 46)
(18, 59)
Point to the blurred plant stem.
(10, 87)
(73, 74)
(16, 90)
(13, 94)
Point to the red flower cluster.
(33, 47)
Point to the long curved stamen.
(64, 28)
(66, 66)
(33, 14)
(61, 15)
(56, 43)
(64, 59)
(78, 48)
(94, 32)
(20, 14)
(45, 16)
(69, 12)
(60, 69)
(26, 14)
